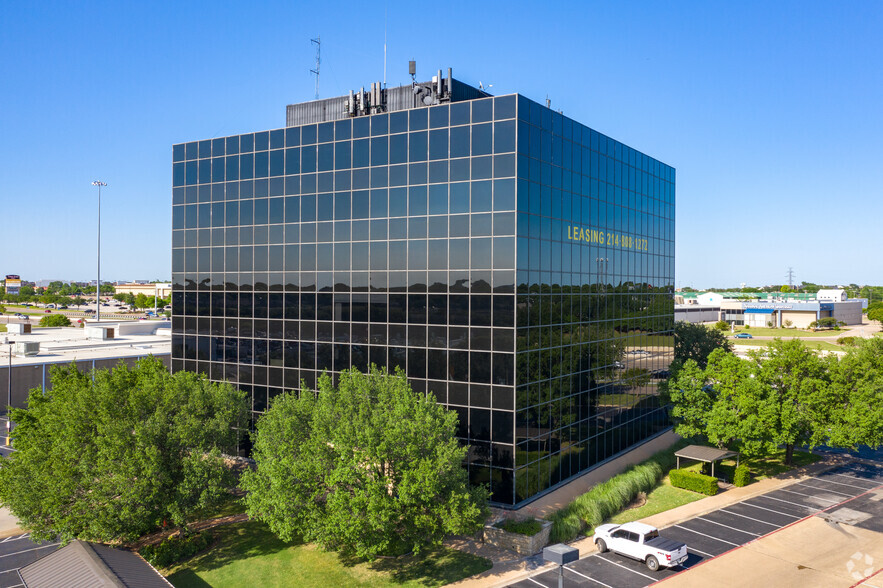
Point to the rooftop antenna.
(318, 42)
(385, 11)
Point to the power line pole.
(318, 42)
(790, 275)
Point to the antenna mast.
(318, 42)
(385, 11)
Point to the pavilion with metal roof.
(705, 454)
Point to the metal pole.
(560, 576)
(9, 393)
(98, 287)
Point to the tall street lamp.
(98, 287)
(9, 393)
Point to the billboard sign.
(13, 284)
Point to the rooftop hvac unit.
(27, 348)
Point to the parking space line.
(727, 526)
(810, 508)
(803, 485)
(855, 479)
(839, 483)
(629, 569)
(32, 549)
(749, 518)
(16, 537)
(699, 551)
(808, 495)
(784, 514)
(587, 577)
(537, 583)
(709, 536)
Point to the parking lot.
(712, 534)
(18, 551)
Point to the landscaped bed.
(248, 554)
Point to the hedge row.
(175, 548)
(690, 480)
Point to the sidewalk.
(508, 572)
(8, 524)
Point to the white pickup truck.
(641, 542)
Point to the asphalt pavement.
(848, 492)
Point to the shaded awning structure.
(705, 454)
(81, 563)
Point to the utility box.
(26, 348)
(560, 554)
(18, 328)
(99, 333)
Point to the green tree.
(795, 386)
(55, 320)
(142, 301)
(78, 301)
(856, 393)
(119, 297)
(737, 416)
(692, 400)
(875, 311)
(112, 455)
(696, 342)
(368, 468)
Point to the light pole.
(9, 392)
(98, 287)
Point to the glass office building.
(513, 262)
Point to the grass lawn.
(662, 498)
(818, 345)
(761, 467)
(787, 333)
(248, 554)
(2, 328)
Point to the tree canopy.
(55, 320)
(784, 395)
(368, 468)
(114, 457)
(696, 342)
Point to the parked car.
(89, 311)
(641, 542)
(19, 315)
(744, 336)
(62, 307)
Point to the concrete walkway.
(8, 524)
(505, 573)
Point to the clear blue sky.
(770, 111)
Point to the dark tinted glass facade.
(459, 242)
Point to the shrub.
(604, 500)
(175, 548)
(566, 525)
(689, 480)
(522, 527)
(55, 320)
(746, 327)
(742, 476)
(722, 326)
(850, 341)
